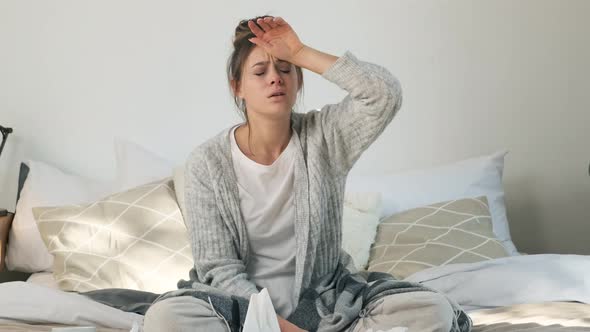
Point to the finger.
(263, 25)
(255, 29)
(260, 42)
(271, 22)
(279, 21)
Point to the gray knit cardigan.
(328, 143)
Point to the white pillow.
(137, 166)
(481, 176)
(360, 219)
(45, 185)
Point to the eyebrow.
(265, 62)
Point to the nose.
(275, 77)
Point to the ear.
(235, 86)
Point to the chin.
(278, 110)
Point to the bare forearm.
(314, 60)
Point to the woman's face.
(269, 86)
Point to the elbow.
(386, 95)
(392, 93)
(390, 96)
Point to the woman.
(264, 199)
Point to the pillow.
(137, 166)
(360, 218)
(474, 177)
(44, 185)
(458, 231)
(135, 239)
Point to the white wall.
(477, 76)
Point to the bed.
(454, 212)
(543, 317)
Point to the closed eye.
(284, 71)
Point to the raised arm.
(350, 126)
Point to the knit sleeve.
(215, 256)
(349, 127)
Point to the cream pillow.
(135, 239)
(360, 217)
(457, 231)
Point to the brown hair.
(242, 48)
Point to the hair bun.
(243, 31)
(242, 34)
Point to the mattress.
(541, 317)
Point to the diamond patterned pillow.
(458, 231)
(135, 239)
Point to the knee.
(161, 316)
(442, 312)
(182, 314)
(418, 311)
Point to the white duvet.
(494, 283)
(512, 280)
(31, 303)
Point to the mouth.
(277, 95)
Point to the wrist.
(299, 55)
(313, 60)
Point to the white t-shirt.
(267, 206)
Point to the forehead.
(259, 55)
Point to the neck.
(267, 138)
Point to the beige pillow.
(458, 231)
(135, 239)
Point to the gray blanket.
(331, 304)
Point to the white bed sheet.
(36, 304)
(538, 317)
(512, 280)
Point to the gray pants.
(416, 311)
